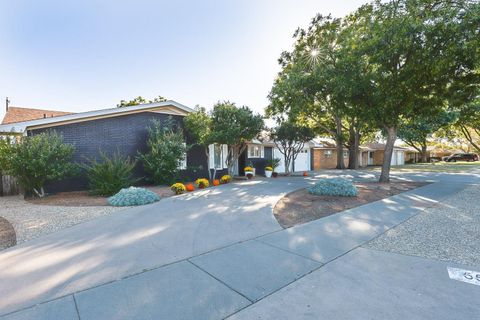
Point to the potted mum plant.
(268, 171)
(249, 172)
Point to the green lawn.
(437, 167)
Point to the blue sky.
(84, 55)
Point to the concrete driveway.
(207, 255)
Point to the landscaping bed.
(300, 206)
(84, 199)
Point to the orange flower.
(216, 182)
(190, 187)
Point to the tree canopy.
(234, 126)
(139, 100)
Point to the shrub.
(334, 187)
(166, 151)
(110, 175)
(133, 196)
(202, 183)
(268, 169)
(178, 188)
(216, 182)
(39, 159)
(225, 179)
(250, 169)
(190, 187)
(274, 163)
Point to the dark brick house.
(123, 129)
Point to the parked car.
(461, 157)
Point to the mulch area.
(8, 237)
(83, 199)
(299, 206)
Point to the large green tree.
(322, 83)
(419, 54)
(234, 126)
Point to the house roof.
(379, 146)
(18, 114)
(170, 107)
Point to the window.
(327, 153)
(254, 151)
(217, 156)
(183, 163)
(345, 154)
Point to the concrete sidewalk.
(211, 256)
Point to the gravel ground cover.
(31, 220)
(449, 231)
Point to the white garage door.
(281, 166)
(302, 163)
(398, 158)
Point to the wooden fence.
(9, 186)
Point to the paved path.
(220, 252)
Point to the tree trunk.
(353, 148)
(387, 154)
(339, 142)
(424, 154)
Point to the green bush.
(166, 151)
(334, 187)
(133, 196)
(108, 176)
(41, 158)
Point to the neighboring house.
(258, 153)
(325, 154)
(17, 114)
(375, 154)
(123, 129)
(412, 155)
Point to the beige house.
(376, 151)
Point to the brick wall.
(322, 161)
(128, 134)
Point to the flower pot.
(268, 174)
(249, 174)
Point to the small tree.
(166, 151)
(199, 125)
(416, 131)
(6, 152)
(290, 139)
(39, 159)
(235, 127)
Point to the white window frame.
(328, 153)
(254, 155)
(223, 156)
(218, 147)
(183, 163)
(345, 154)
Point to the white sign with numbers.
(468, 276)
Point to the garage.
(302, 163)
